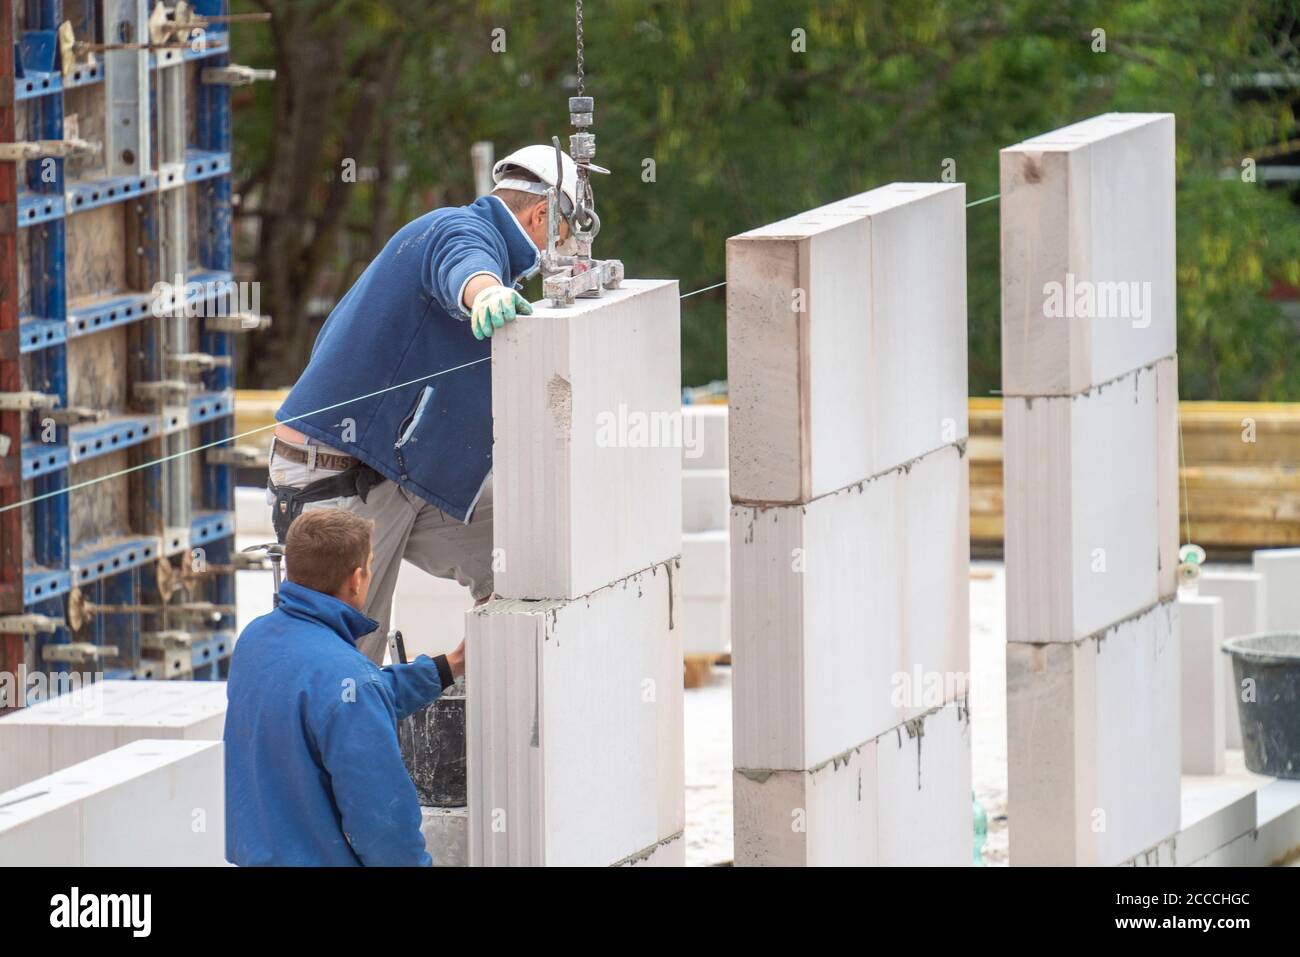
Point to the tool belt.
(358, 479)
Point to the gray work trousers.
(406, 527)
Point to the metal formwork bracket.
(78, 651)
(198, 611)
(164, 389)
(71, 50)
(36, 149)
(166, 640)
(234, 75)
(197, 361)
(77, 414)
(181, 23)
(29, 624)
(27, 401)
(240, 322)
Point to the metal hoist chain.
(577, 16)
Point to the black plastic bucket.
(1270, 717)
(433, 749)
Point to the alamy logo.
(72, 689)
(215, 298)
(627, 428)
(102, 910)
(1085, 299)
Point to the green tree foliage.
(746, 120)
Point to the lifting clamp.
(577, 276)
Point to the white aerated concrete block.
(1273, 840)
(1243, 609)
(72, 727)
(1235, 819)
(923, 774)
(1083, 530)
(576, 752)
(1088, 282)
(704, 436)
(146, 804)
(706, 625)
(902, 799)
(1137, 740)
(1093, 743)
(824, 817)
(705, 500)
(1280, 568)
(1217, 810)
(706, 565)
(850, 614)
(1201, 649)
(1168, 486)
(705, 583)
(846, 341)
(587, 429)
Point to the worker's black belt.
(357, 480)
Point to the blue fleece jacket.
(314, 773)
(402, 321)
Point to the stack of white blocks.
(1243, 596)
(1200, 623)
(72, 727)
(1090, 441)
(706, 558)
(575, 741)
(1279, 571)
(846, 351)
(147, 804)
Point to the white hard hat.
(540, 161)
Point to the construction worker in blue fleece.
(370, 428)
(314, 773)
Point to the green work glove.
(494, 307)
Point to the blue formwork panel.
(147, 671)
(37, 52)
(119, 432)
(206, 406)
(42, 584)
(116, 568)
(99, 559)
(201, 653)
(211, 292)
(88, 194)
(115, 310)
(209, 526)
(42, 459)
(37, 208)
(201, 165)
(84, 76)
(38, 84)
(36, 334)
